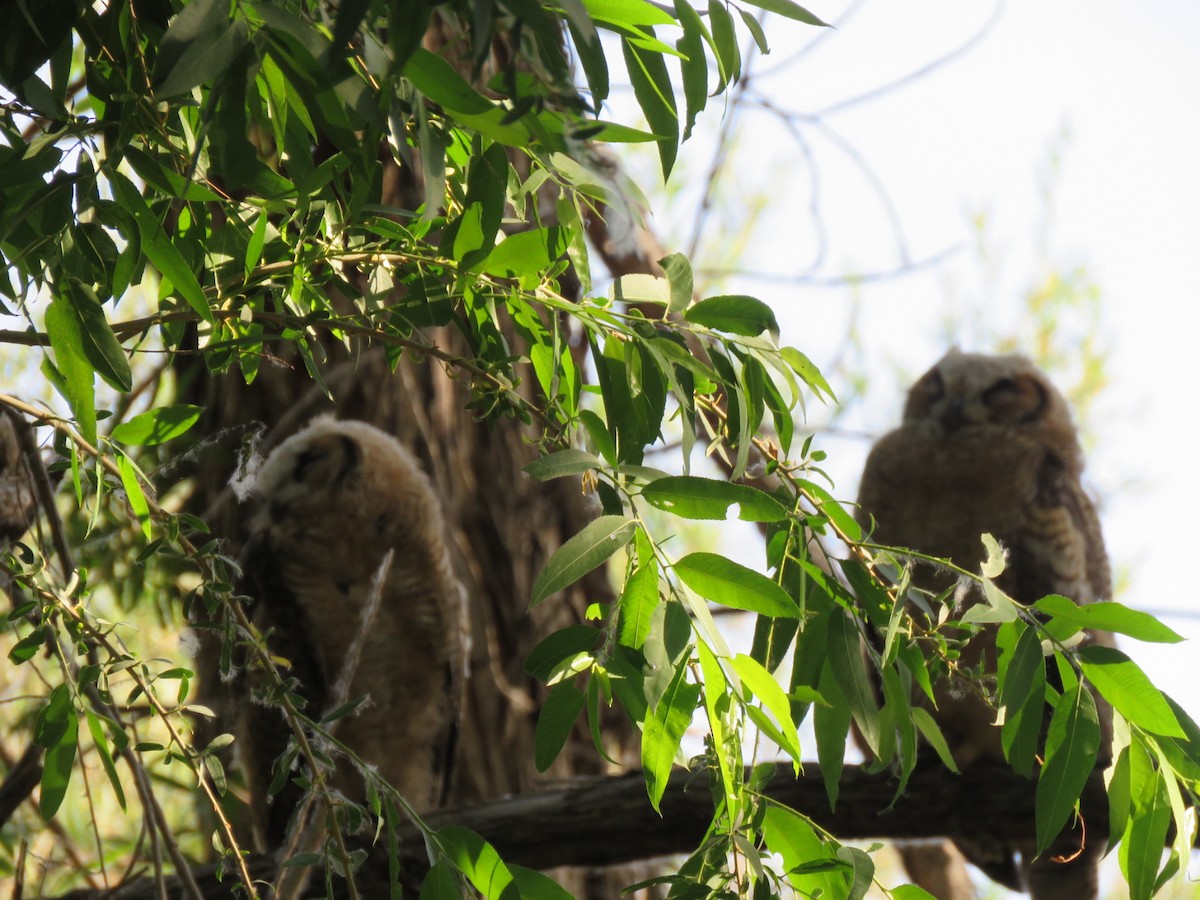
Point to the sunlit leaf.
(731, 584)
(477, 860)
(767, 689)
(157, 426)
(788, 9)
(596, 542)
(1109, 616)
(1123, 684)
(707, 498)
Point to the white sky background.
(1114, 91)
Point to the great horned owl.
(987, 445)
(348, 566)
(18, 499)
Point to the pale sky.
(1114, 88)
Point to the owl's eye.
(1018, 399)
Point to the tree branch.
(607, 820)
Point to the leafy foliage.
(226, 159)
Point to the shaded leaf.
(663, 733)
(1072, 742)
(734, 314)
(555, 648)
(56, 730)
(557, 716)
(560, 463)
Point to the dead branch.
(608, 820)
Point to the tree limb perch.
(607, 820)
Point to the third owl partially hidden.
(987, 445)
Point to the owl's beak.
(953, 418)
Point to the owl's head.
(970, 393)
(341, 474)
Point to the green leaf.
(663, 733)
(441, 883)
(157, 426)
(526, 252)
(809, 373)
(553, 649)
(134, 493)
(1072, 742)
(477, 860)
(805, 855)
(1022, 701)
(834, 511)
(57, 731)
(554, 723)
(929, 729)
(158, 247)
(831, 725)
(75, 379)
(725, 41)
(695, 72)
(595, 543)
(652, 87)
(788, 9)
(101, 743)
(100, 345)
(440, 82)
(640, 288)
(628, 12)
(767, 689)
(1123, 684)
(734, 314)
(474, 233)
(731, 584)
(846, 663)
(692, 497)
(1108, 616)
(1141, 847)
(679, 275)
(638, 601)
(199, 46)
(536, 886)
(911, 892)
(561, 463)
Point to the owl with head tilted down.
(987, 445)
(351, 580)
